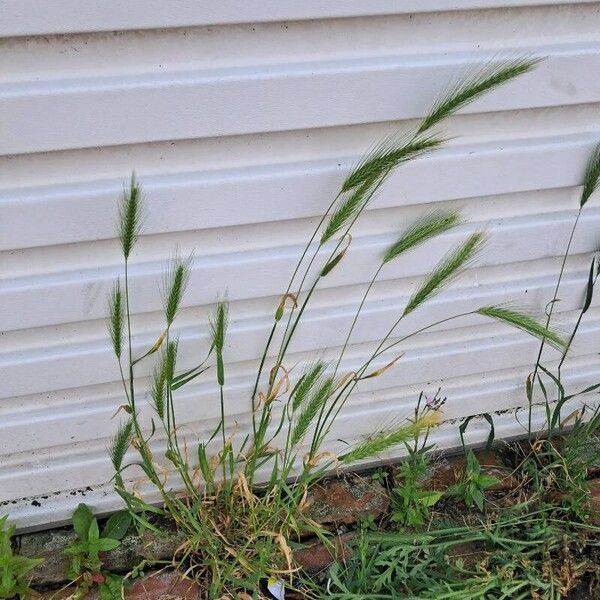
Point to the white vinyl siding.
(241, 120)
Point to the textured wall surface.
(241, 119)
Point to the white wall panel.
(241, 120)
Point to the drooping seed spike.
(592, 176)
(447, 270)
(470, 88)
(524, 322)
(421, 231)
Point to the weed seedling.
(472, 483)
(86, 568)
(13, 568)
(379, 475)
(411, 502)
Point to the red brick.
(316, 556)
(347, 501)
(161, 586)
(164, 585)
(449, 471)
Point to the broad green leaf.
(107, 544)
(93, 531)
(486, 481)
(430, 498)
(82, 519)
(117, 526)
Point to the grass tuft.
(348, 208)
(116, 318)
(218, 325)
(311, 409)
(306, 383)
(375, 445)
(176, 281)
(170, 361)
(366, 179)
(158, 389)
(388, 155)
(120, 444)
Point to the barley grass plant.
(239, 495)
(591, 180)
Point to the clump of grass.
(237, 534)
(591, 179)
(521, 553)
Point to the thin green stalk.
(343, 395)
(356, 316)
(223, 438)
(593, 278)
(129, 347)
(549, 315)
(287, 291)
(288, 336)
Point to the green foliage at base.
(86, 569)
(13, 568)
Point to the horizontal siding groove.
(90, 426)
(92, 363)
(80, 295)
(242, 101)
(229, 197)
(164, 50)
(113, 164)
(26, 17)
(328, 300)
